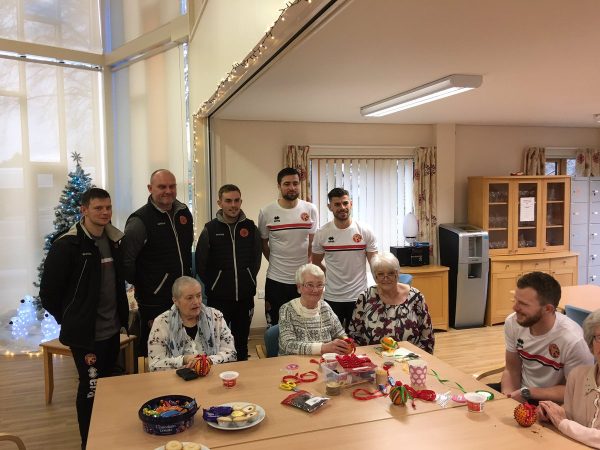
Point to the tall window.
(381, 190)
(47, 112)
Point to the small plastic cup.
(475, 401)
(417, 369)
(329, 359)
(229, 378)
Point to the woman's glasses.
(390, 275)
(312, 286)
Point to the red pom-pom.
(525, 414)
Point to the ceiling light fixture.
(444, 87)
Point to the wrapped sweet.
(202, 365)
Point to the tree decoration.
(25, 318)
(202, 365)
(50, 328)
(66, 213)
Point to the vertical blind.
(381, 190)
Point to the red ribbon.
(306, 377)
(363, 394)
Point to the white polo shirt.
(345, 253)
(287, 231)
(547, 360)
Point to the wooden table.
(585, 296)
(455, 428)
(115, 423)
(54, 347)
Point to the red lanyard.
(306, 377)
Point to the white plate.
(259, 419)
(162, 447)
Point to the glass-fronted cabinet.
(521, 214)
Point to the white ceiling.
(539, 60)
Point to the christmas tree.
(66, 213)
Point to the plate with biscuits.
(241, 415)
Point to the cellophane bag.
(305, 401)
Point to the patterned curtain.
(534, 161)
(297, 157)
(587, 163)
(425, 196)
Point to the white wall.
(227, 31)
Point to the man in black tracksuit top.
(158, 249)
(228, 257)
(83, 287)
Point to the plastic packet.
(305, 401)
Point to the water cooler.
(464, 249)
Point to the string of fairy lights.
(240, 69)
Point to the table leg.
(48, 375)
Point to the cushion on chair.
(576, 314)
(272, 341)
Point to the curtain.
(425, 195)
(297, 157)
(381, 190)
(534, 161)
(587, 162)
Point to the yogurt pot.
(475, 401)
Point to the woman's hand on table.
(189, 361)
(552, 412)
(338, 346)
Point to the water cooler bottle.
(464, 249)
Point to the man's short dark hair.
(337, 192)
(546, 287)
(228, 188)
(286, 172)
(91, 194)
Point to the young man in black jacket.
(84, 289)
(228, 257)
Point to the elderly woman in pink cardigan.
(579, 417)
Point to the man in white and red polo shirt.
(287, 228)
(345, 245)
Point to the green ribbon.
(445, 381)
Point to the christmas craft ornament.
(388, 344)
(352, 345)
(398, 395)
(525, 414)
(202, 365)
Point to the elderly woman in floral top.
(187, 330)
(579, 417)
(391, 309)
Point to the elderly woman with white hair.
(308, 325)
(579, 417)
(391, 309)
(187, 330)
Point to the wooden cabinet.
(432, 281)
(505, 270)
(523, 215)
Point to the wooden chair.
(142, 364)
(271, 346)
(12, 438)
(488, 373)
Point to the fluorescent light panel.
(444, 87)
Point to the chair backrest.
(405, 278)
(272, 341)
(12, 438)
(576, 314)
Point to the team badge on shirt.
(554, 350)
(182, 220)
(244, 232)
(304, 216)
(331, 239)
(276, 219)
(90, 359)
(357, 237)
